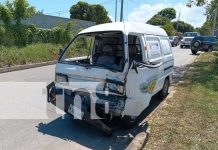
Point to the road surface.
(27, 122)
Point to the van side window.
(166, 46)
(135, 51)
(154, 49)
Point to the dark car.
(203, 43)
(174, 40)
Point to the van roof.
(127, 27)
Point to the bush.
(21, 35)
(35, 53)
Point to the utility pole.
(121, 11)
(214, 22)
(116, 11)
(177, 25)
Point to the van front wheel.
(165, 90)
(129, 121)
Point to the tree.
(81, 10)
(158, 20)
(16, 11)
(85, 11)
(169, 29)
(183, 27)
(163, 17)
(206, 29)
(196, 2)
(169, 13)
(21, 10)
(99, 14)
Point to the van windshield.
(103, 49)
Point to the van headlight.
(61, 78)
(113, 87)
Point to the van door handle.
(151, 65)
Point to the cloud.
(194, 15)
(112, 18)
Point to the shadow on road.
(88, 136)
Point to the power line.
(106, 2)
(138, 4)
(62, 11)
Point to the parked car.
(203, 43)
(174, 41)
(187, 38)
(126, 64)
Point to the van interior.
(104, 49)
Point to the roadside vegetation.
(10, 56)
(22, 44)
(189, 119)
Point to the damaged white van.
(123, 66)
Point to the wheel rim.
(132, 119)
(196, 44)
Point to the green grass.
(189, 119)
(10, 56)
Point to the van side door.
(142, 77)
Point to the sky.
(134, 10)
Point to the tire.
(194, 52)
(196, 44)
(129, 122)
(181, 46)
(165, 90)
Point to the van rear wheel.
(165, 90)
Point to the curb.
(27, 66)
(140, 140)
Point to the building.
(46, 21)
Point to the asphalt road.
(28, 122)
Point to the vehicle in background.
(187, 38)
(203, 43)
(125, 65)
(174, 40)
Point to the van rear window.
(154, 51)
(165, 46)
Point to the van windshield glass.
(104, 49)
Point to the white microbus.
(125, 65)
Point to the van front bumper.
(104, 106)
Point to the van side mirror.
(60, 52)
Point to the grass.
(189, 120)
(10, 56)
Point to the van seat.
(107, 58)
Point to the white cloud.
(112, 18)
(194, 15)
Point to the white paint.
(127, 27)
